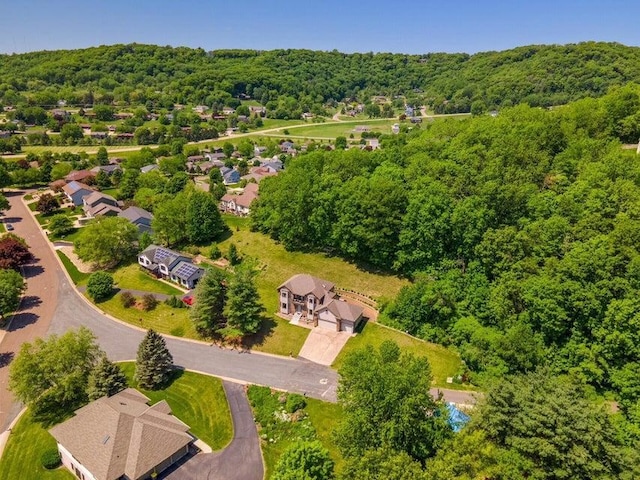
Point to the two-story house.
(170, 265)
(315, 300)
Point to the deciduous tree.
(304, 461)
(11, 287)
(47, 204)
(107, 241)
(13, 252)
(100, 285)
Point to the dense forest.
(162, 76)
(521, 233)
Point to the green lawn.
(21, 457)
(198, 400)
(163, 319)
(325, 417)
(132, 277)
(72, 148)
(78, 277)
(336, 129)
(444, 362)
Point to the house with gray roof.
(108, 169)
(76, 191)
(229, 175)
(149, 168)
(139, 217)
(170, 265)
(121, 437)
(315, 300)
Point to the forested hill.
(139, 74)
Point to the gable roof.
(161, 255)
(185, 270)
(149, 168)
(343, 310)
(303, 284)
(122, 435)
(95, 198)
(74, 187)
(135, 214)
(77, 175)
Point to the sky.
(401, 26)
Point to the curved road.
(52, 305)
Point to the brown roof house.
(240, 204)
(80, 176)
(305, 296)
(121, 437)
(98, 204)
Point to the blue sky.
(409, 26)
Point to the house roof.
(185, 270)
(135, 214)
(103, 209)
(161, 255)
(73, 187)
(78, 175)
(343, 310)
(149, 168)
(98, 197)
(122, 435)
(303, 284)
(106, 168)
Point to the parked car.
(188, 299)
(9, 227)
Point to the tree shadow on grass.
(267, 326)
(174, 375)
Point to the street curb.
(4, 436)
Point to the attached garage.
(327, 320)
(339, 312)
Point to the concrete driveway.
(323, 346)
(240, 460)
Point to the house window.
(284, 306)
(283, 294)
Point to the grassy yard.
(21, 458)
(278, 430)
(336, 129)
(444, 362)
(278, 265)
(163, 319)
(78, 277)
(131, 277)
(198, 400)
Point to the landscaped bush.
(127, 299)
(50, 459)
(174, 302)
(100, 285)
(294, 403)
(149, 302)
(215, 253)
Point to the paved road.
(241, 459)
(38, 305)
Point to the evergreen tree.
(106, 378)
(154, 361)
(207, 311)
(243, 306)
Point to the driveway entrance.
(323, 345)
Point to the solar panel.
(161, 254)
(185, 270)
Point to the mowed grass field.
(336, 129)
(444, 362)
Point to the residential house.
(286, 146)
(408, 111)
(139, 217)
(170, 265)
(76, 191)
(108, 169)
(259, 150)
(258, 173)
(98, 204)
(60, 114)
(257, 110)
(373, 143)
(213, 156)
(395, 128)
(121, 437)
(80, 176)
(316, 300)
(415, 119)
(274, 165)
(200, 108)
(229, 175)
(307, 115)
(228, 111)
(149, 168)
(240, 204)
(122, 115)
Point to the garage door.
(347, 327)
(326, 324)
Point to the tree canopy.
(107, 241)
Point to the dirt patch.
(84, 267)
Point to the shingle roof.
(185, 270)
(344, 310)
(72, 187)
(98, 197)
(134, 214)
(303, 284)
(122, 435)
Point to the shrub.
(127, 299)
(50, 459)
(174, 302)
(100, 285)
(149, 302)
(294, 403)
(233, 256)
(215, 253)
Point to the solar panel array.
(185, 270)
(161, 254)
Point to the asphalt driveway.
(241, 459)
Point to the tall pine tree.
(243, 306)
(106, 378)
(154, 362)
(207, 311)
